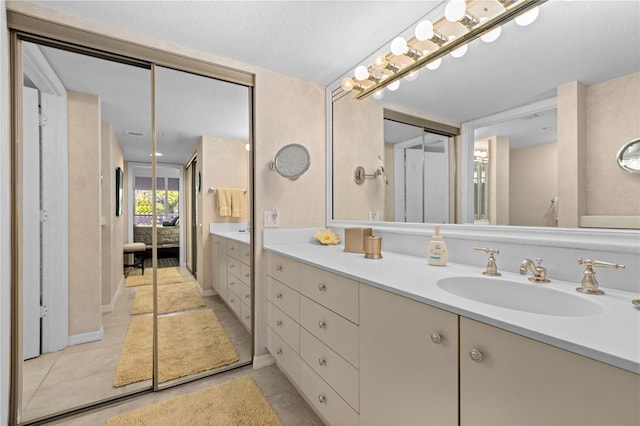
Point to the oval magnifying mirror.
(291, 161)
(629, 156)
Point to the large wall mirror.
(88, 331)
(541, 113)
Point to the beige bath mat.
(171, 298)
(237, 402)
(188, 343)
(165, 276)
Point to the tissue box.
(354, 239)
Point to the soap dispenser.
(437, 253)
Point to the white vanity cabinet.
(231, 275)
(408, 361)
(515, 380)
(313, 333)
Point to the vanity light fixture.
(464, 21)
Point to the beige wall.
(612, 119)
(358, 140)
(533, 182)
(113, 226)
(389, 193)
(85, 246)
(224, 163)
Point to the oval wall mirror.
(629, 156)
(291, 161)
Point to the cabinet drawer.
(245, 274)
(233, 267)
(245, 254)
(222, 290)
(283, 269)
(285, 298)
(233, 284)
(339, 334)
(245, 293)
(284, 326)
(233, 249)
(333, 408)
(286, 358)
(245, 315)
(338, 373)
(337, 293)
(234, 302)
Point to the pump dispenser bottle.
(437, 253)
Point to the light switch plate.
(271, 219)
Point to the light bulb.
(492, 35)
(394, 86)
(380, 62)
(455, 10)
(424, 30)
(528, 17)
(435, 64)
(247, 147)
(460, 51)
(347, 84)
(399, 46)
(361, 73)
(378, 94)
(412, 76)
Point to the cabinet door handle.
(322, 361)
(247, 296)
(322, 399)
(278, 268)
(322, 286)
(476, 355)
(279, 323)
(279, 351)
(247, 275)
(436, 337)
(322, 324)
(278, 295)
(248, 317)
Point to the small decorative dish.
(326, 237)
(636, 303)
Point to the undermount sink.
(534, 298)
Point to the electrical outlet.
(271, 219)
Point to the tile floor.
(82, 374)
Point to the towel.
(237, 202)
(224, 202)
(231, 202)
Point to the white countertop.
(612, 336)
(240, 236)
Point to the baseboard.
(109, 308)
(261, 361)
(205, 293)
(91, 336)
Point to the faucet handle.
(492, 267)
(589, 282)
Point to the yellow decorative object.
(327, 237)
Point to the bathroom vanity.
(387, 342)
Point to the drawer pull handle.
(322, 324)
(322, 286)
(278, 268)
(248, 317)
(279, 323)
(436, 337)
(232, 300)
(246, 255)
(232, 283)
(279, 351)
(322, 361)
(247, 275)
(476, 355)
(232, 265)
(247, 296)
(322, 399)
(232, 248)
(278, 295)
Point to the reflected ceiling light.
(413, 76)
(394, 86)
(455, 10)
(379, 94)
(528, 17)
(399, 46)
(247, 147)
(435, 39)
(158, 154)
(435, 64)
(361, 73)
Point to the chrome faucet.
(539, 274)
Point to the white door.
(30, 224)
(414, 185)
(436, 194)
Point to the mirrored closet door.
(110, 215)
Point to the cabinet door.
(406, 378)
(215, 249)
(522, 381)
